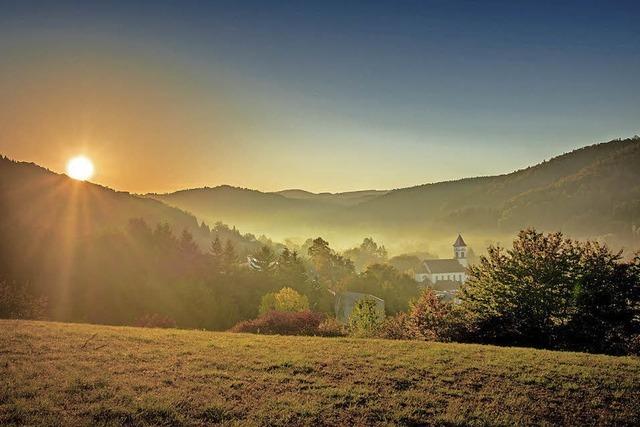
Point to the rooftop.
(437, 266)
(459, 241)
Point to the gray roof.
(437, 266)
(358, 295)
(422, 269)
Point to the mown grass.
(67, 374)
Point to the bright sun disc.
(80, 168)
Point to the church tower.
(460, 251)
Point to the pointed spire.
(459, 241)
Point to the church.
(446, 273)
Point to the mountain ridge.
(483, 205)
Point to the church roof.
(459, 241)
(438, 266)
(422, 269)
(446, 285)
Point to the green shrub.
(286, 299)
(365, 319)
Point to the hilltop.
(35, 198)
(592, 192)
(101, 375)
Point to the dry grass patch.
(54, 373)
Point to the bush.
(286, 299)
(396, 328)
(17, 302)
(155, 320)
(427, 317)
(287, 323)
(330, 327)
(365, 319)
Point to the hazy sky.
(325, 96)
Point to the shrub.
(428, 317)
(365, 319)
(285, 323)
(155, 320)
(330, 327)
(396, 327)
(17, 302)
(286, 299)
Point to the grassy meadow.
(73, 374)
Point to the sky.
(323, 95)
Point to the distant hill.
(544, 195)
(350, 198)
(590, 192)
(35, 196)
(255, 211)
(43, 213)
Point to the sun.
(80, 168)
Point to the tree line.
(144, 274)
(546, 291)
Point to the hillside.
(37, 198)
(33, 196)
(487, 200)
(590, 192)
(350, 198)
(70, 374)
(72, 242)
(248, 209)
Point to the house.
(345, 301)
(446, 273)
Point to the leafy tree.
(548, 291)
(286, 299)
(407, 263)
(384, 281)
(330, 268)
(291, 272)
(429, 318)
(368, 253)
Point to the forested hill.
(590, 192)
(582, 190)
(43, 205)
(33, 196)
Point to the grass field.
(68, 374)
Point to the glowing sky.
(325, 96)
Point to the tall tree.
(549, 291)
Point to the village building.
(445, 274)
(346, 301)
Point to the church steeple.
(460, 251)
